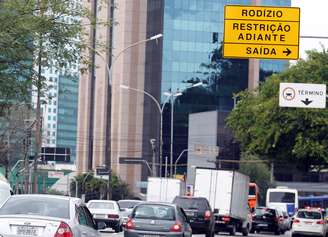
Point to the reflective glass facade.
(67, 114)
(192, 52)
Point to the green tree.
(258, 172)
(284, 134)
(95, 188)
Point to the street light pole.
(176, 162)
(173, 97)
(160, 109)
(109, 72)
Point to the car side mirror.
(101, 225)
(216, 211)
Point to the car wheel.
(294, 235)
(245, 231)
(252, 231)
(117, 229)
(277, 232)
(233, 230)
(209, 233)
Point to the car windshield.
(191, 203)
(309, 215)
(101, 205)
(155, 212)
(283, 197)
(40, 206)
(127, 204)
(265, 212)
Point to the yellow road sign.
(260, 51)
(261, 32)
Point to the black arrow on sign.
(307, 101)
(287, 51)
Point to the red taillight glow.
(226, 218)
(129, 224)
(296, 221)
(113, 216)
(64, 230)
(176, 228)
(321, 222)
(207, 215)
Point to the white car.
(46, 216)
(107, 212)
(310, 222)
(126, 207)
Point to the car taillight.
(226, 218)
(296, 221)
(321, 222)
(207, 215)
(64, 230)
(129, 224)
(176, 228)
(113, 216)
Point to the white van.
(5, 191)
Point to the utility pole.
(153, 166)
(38, 106)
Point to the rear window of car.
(265, 212)
(36, 206)
(127, 204)
(309, 215)
(192, 203)
(100, 205)
(155, 212)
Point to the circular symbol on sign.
(288, 93)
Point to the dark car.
(200, 214)
(157, 219)
(268, 219)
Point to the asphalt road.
(287, 234)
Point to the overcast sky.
(314, 22)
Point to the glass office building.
(192, 52)
(67, 114)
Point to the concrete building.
(114, 123)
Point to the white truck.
(164, 189)
(227, 193)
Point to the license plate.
(262, 225)
(27, 230)
(151, 236)
(220, 222)
(99, 216)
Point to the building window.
(55, 110)
(54, 118)
(53, 141)
(48, 133)
(50, 78)
(50, 102)
(49, 117)
(49, 125)
(55, 102)
(49, 110)
(54, 125)
(48, 141)
(53, 133)
(55, 79)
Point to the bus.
(313, 201)
(253, 196)
(283, 198)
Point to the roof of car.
(108, 201)
(191, 197)
(72, 199)
(159, 203)
(311, 209)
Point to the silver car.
(157, 220)
(126, 207)
(46, 216)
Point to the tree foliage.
(95, 188)
(286, 134)
(258, 172)
(33, 33)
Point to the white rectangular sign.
(302, 95)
